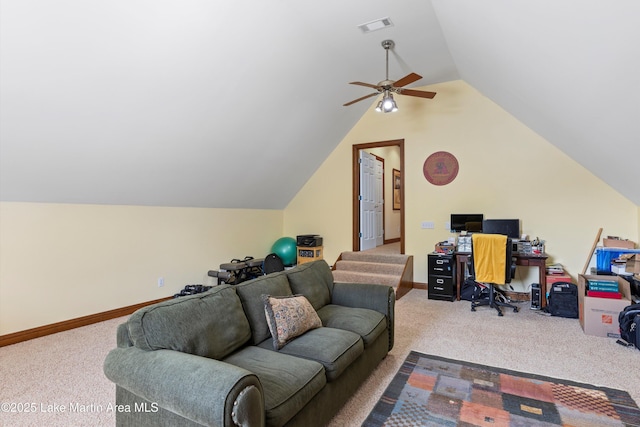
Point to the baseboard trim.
(419, 285)
(66, 325)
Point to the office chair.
(492, 264)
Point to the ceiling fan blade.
(408, 79)
(360, 99)
(365, 84)
(419, 93)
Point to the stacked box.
(555, 278)
(618, 243)
(633, 265)
(599, 316)
(604, 257)
(604, 288)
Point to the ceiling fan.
(388, 87)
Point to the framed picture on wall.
(397, 194)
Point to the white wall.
(506, 171)
(60, 262)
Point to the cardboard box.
(599, 316)
(633, 265)
(554, 278)
(605, 256)
(618, 243)
(619, 268)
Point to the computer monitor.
(508, 227)
(466, 222)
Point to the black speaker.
(536, 295)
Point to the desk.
(526, 260)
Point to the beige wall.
(506, 171)
(59, 262)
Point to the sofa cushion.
(250, 293)
(336, 349)
(314, 280)
(289, 317)
(288, 382)
(368, 324)
(211, 324)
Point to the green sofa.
(209, 359)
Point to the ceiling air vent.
(378, 24)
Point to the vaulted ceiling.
(235, 104)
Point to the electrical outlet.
(160, 282)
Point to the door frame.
(356, 189)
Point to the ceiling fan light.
(388, 104)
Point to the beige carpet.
(526, 341)
(389, 248)
(66, 369)
(63, 369)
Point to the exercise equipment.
(238, 270)
(272, 263)
(192, 290)
(286, 249)
(241, 270)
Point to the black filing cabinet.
(441, 277)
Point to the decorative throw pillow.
(289, 317)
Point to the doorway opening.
(356, 206)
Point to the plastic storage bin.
(604, 256)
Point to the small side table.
(309, 253)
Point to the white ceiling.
(235, 104)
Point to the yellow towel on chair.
(490, 257)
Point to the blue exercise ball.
(285, 248)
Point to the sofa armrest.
(122, 336)
(207, 391)
(380, 298)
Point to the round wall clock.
(440, 168)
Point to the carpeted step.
(370, 267)
(373, 257)
(395, 270)
(345, 276)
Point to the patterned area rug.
(434, 391)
